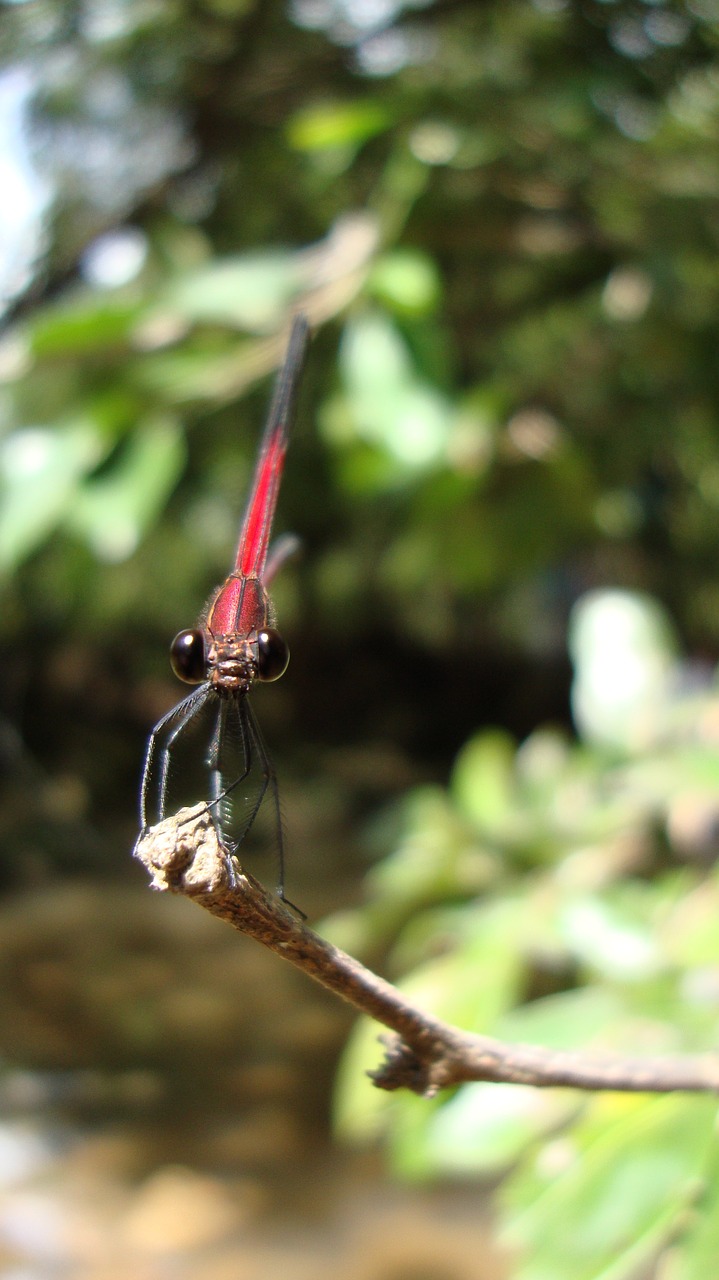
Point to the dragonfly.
(209, 748)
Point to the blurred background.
(498, 738)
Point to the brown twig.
(183, 855)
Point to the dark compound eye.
(187, 657)
(273, 654)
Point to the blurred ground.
(165, 1098)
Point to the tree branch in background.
(183, 855)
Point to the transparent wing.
(237, 773)
(206, 751)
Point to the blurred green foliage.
(563, 894)
(516, 238)
(502, 220)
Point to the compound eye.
(187, 657)
(273, 654)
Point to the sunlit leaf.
(623, 651)
(470, 986)
(485, 1127)
(389, 404)
(611, 941)
(41, 470)
(478, 979)
(568, 1020)
(252, 292)
(483, 781)
(337, 124)
(697, 1248)
(406, 279)
(360, 1110)
(610, 1194)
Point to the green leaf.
(689, 933)
(483, 781)
(389, 405)
(477, 981)
(468, 987)
(423, 864)
(332, 125)
(408, 280)
(41, 469)
(181, 376)
(568, 1020)
(623, 648)
(694, 1257)
(361, 1111)
(486, 1127)
(81, 326)
(614, 942)
(113, 511)
(250, 292)
(602, 1200)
